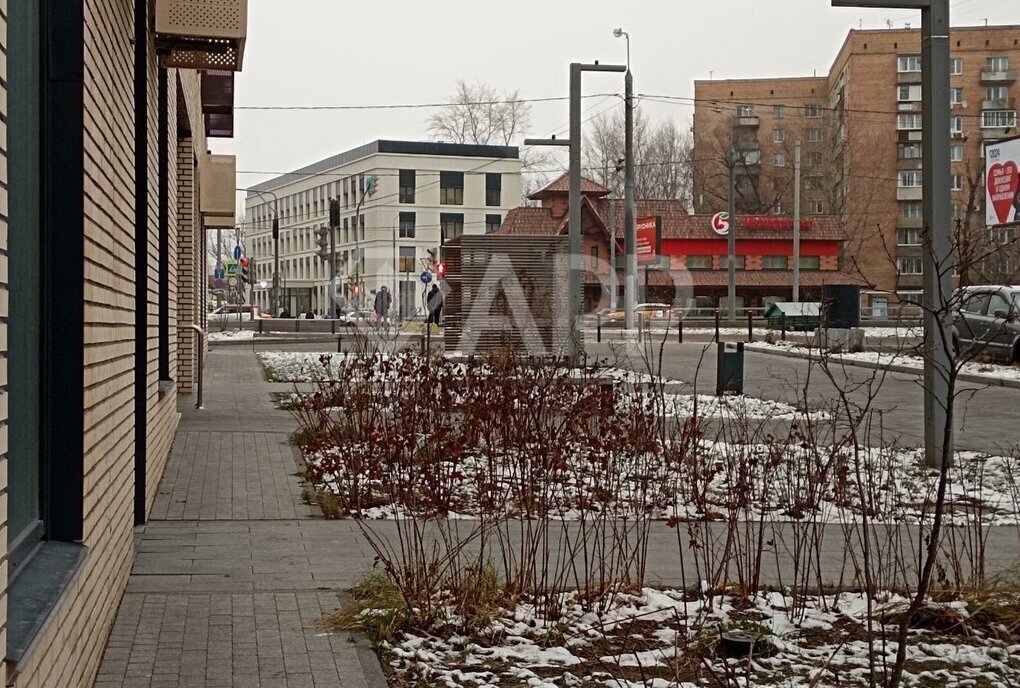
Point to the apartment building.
(398, 201)
(106, 187)
(860, 132)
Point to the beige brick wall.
(4, 311)
(187, 245)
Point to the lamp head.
(617, 32)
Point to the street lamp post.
(576, 266)
(367, 189)
(936, 212)
(629, 209)
(276, 249)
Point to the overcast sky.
(325, 52)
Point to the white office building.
(425, 193)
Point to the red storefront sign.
(768, 222)
(649, 242)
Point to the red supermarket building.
(692, 249)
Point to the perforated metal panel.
(217, 184)
(505, 291)
(201, 34)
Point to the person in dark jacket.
(435, 304)
(383, 300)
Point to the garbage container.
(729, 369)
(841, 306)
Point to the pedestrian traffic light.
(322, 239)
(245, 275)
(440, 270)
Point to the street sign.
(721, 223)
(263, 284)
(426, 277)
(237, 252)
(649, 242)
(232, 281)
(231, 268)
(219, 273)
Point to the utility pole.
(796, 222)
(731, 237)
(630, 211)
(576, 259)
(276, 249)
(612, 254)
(936, 211)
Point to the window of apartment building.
(814, 134)
(451, 226)
(778, 136)
(908, 237)
(816, 207)
(407, 183)
(909, 266)
(999, 63)
(361, 222)
(745, 111)
(493, 188)
(957, 182)
(406, 261)
(908, 63)
(492, 223)
(775, 262)
(956, 124)
(956, 95)
(347, 232)
(354, 190)
(910, 210)
(814, 158)
(813, 184)
(996, 92)
(908, 178)
(998, 119)
(594, 256)
(699, 262)
(956, 66)
(908, 92)
(908, 121)
(451, 188)
(910, 151)
(810, 262)
(347, 195)
(956, 152)
(812, 110)
(407, 228)
(778, 111)
(959, 212)
(778, 160)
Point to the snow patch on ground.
(232, 336)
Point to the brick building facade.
(100, 280)
(859, 128)
(692, 263)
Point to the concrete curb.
(894, 368)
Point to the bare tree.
(662, 157)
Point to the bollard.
(717, 325)
(339, 345)
(680, 331)
(750, 327)
(598, 328)
(332, 326)
(782, 324)
(297, 324)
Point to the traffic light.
(440, 270)
(245, 274)
(322, 239)
(334, 212)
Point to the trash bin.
(841, 306)
(729, 369)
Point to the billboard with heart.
(1002, 182)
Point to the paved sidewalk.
(226, 587)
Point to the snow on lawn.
(231, 335)
(908, 360)
(666, 639)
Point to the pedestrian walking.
(383, 300)
(435, 305)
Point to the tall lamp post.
(936, 211)
(368, 189)
(576, 265)
(276, 249)
(629, 210)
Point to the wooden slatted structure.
(506, 291)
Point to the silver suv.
(986, 320)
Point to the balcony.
(908, 193)
(993, 133)
(908, 164)
(218, 103)
(908, 77)
(1003, 76)
(750, 121)
(908, 135)
(217, 190)
(1000, 104)
(909, 223)
(201, 34)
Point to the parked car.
(642, 311)
(234, 312)
(986, 320)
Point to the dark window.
(493, 188)
(492, 223)
(451, 226)
(407, 256)
(407, 186)
(699, 262)
(810, 262)
(974, 303)
(407, 225)
(775, 262)
(361, 221)
(451, 188)
(594, 256)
